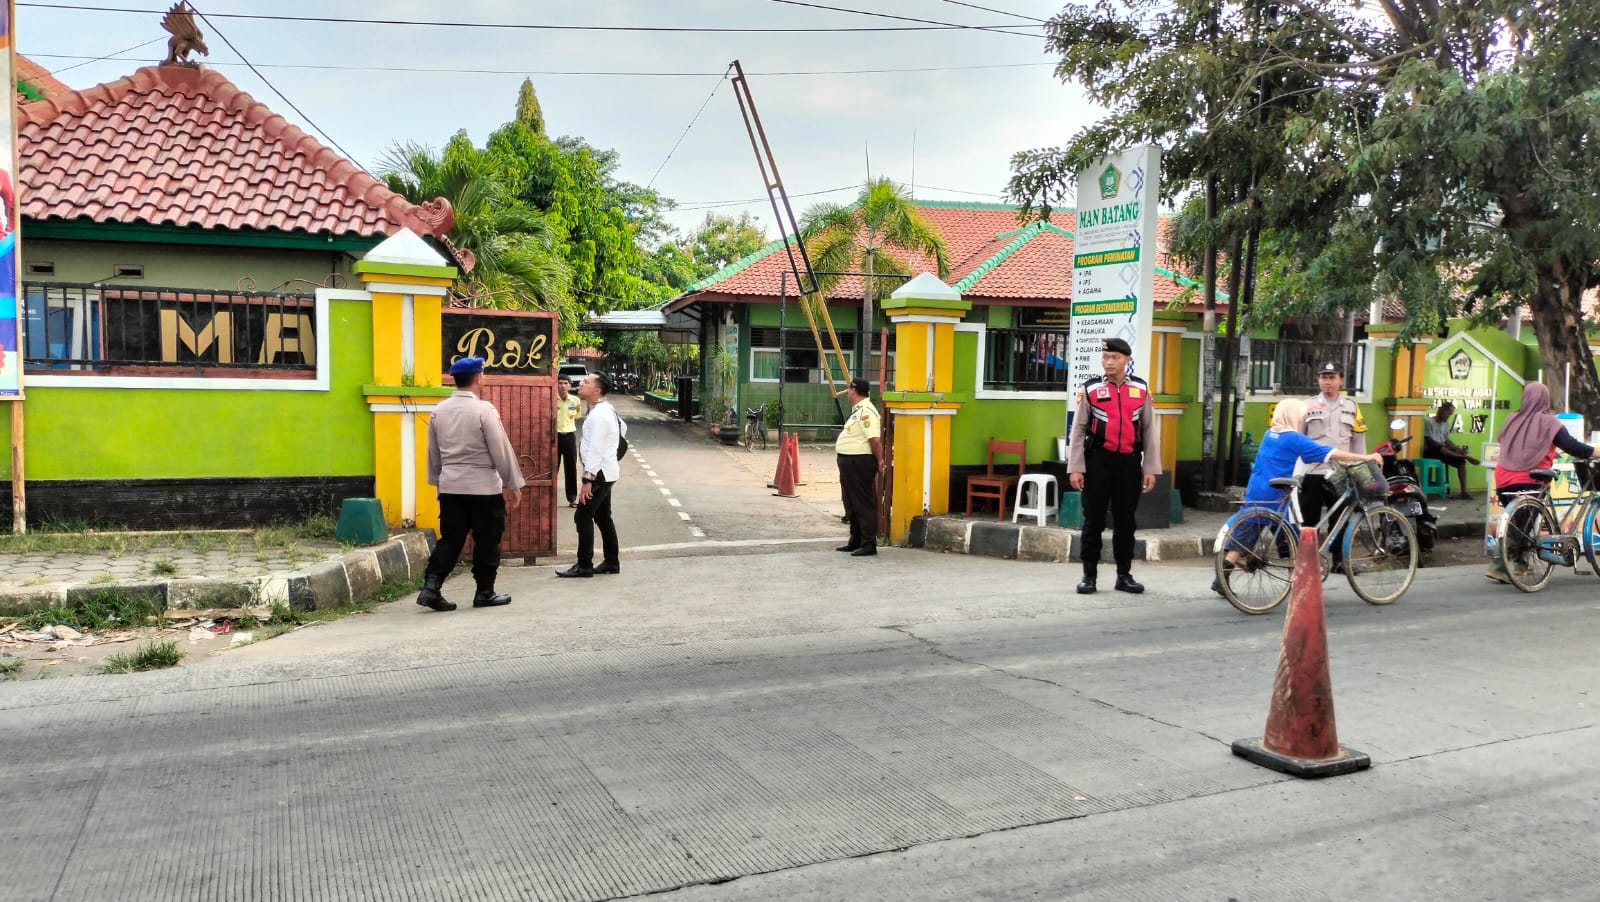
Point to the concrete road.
(799, 724)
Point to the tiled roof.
(172, 145)
(39, 78)
(993, 259)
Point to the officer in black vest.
(1114, 425)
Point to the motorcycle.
(1405, 488)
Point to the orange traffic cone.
(785, 486)
(1301, 738)
(777, 474)
(794, 457)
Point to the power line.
(96, 59)
(281, 96)
(877, 15)
(988, 9)
(693, 206)
(692, 120)
(446, 70)
(524, 26)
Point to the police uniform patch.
(1103, 393)
(1133, 392)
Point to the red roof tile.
(999, 260)
(172, 145)
(39, 78)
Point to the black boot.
(1126, 583)
(485, 598)
(430, 596)
(1086, 586)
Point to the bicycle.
(1530, 540)
(1378, 544)
(754, 429)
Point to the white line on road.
(731, 543)
(666, 491)
(675, 502)
(658, 482)
(683, 515)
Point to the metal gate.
(519, 380)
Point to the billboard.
(10, 321)
(1114, 259)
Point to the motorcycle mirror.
(1396, 424)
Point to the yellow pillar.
(408, 281)
(924, 312)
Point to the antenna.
(913, 163)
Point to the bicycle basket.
(1369, 481)
(1588, 473)
(1337, 479)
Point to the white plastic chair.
(1038, 496)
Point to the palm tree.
(870, 236)
(517, 262)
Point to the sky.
(949, 132)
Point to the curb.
(347, 578)
(1054, 544)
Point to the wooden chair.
(994, 484)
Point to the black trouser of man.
(567, 452)
(1317, 496)
(856, 475)
(1114, 479)
(1449, 458)
(482, 515)
(596, 512)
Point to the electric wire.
(692, 120)
(878, 15)
(990, 9)
(96, 59)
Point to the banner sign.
(1114, 258)
(511, 344)
(10, 320)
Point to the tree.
(870, 236)
(1439, 155)
(529, 113)
(517, 263)
(721, 240)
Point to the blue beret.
(466, 365)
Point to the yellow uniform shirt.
(567, 414)
(863, 425)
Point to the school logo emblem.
(1110, 183)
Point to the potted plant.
(721, 372)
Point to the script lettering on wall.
(509, 345)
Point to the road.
(798, 724)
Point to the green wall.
(120, 433)
(186, 266)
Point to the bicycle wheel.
(749, 436)
(1591, 537)
(1260, 582)
(1380, 554)
(1517, 534)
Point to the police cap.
(1331, 369)
(1117, 345)
(466, 365)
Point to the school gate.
(519, 380)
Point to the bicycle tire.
(1380, 554)
(749, 436)
(1264, 582)
(1591, 537)
(1517, 538)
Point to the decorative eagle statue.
(186, 39)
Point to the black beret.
(1118, 345)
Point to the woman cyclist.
(1529, 441)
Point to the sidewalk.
(1195, 537)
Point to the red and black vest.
(1116, 422)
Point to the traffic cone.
(794, 457)
(783, 454)
(1301, 738)
(785, 474)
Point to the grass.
(164, 567)
(11, 667)
(105, 609)
(285, 618)
(150, 656)
(85, 537)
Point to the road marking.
(675, 502)
(650, 473)
(666, 491)
(683, 516)
(657, 481)
(697, 532)
(733, 543)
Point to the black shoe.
(1126, 583)
(430, 596)
(865, 551)
(1086, 586)
(487, 599)
(576, 570)
(847, 548)
(608, 567)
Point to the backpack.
(622, 438)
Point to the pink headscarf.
(1528, 435)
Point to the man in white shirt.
(473, 464)
(1437, 445)
(602, 430)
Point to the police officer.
(567, 436)
(1333, 420)
(859, 450)
(1113, 426)
(472, 463)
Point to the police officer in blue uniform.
(1108, 462)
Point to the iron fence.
(1289, 366)
(99, 328)
(1027, 359)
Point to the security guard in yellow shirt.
(567, 436)
(1333, 420)
(860, 455)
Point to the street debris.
(199, 625)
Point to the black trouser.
(1111, 479)
(1317, 496)
(596, 512)
(567, 452)
(1455, 459)
(856, 475)
(482, 515)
